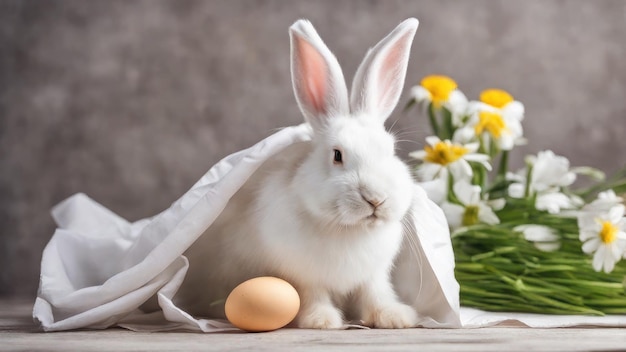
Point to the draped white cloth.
(99, 269)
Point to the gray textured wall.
(130, 102)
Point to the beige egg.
(262, 304)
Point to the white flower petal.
(514, 109)
(457, 103)
(598, 259)
(585, 235)
(514, 128)
(467, 193)
(616, 251)
(516, 190)
(420, 94)
(461, 170)
(590, 172)
(473, 107)
(553, 202)
(480, 106)
(457, 97)
(471, 147)
(548, 246)
(506, 141)
(517, 177)
(567, 179)
(530, 159)
(591, 246)
(464, 135)
(576, 200)
(587, 221)
(537, 233)
(521, 141)
(430, 171)
(551, 170)
(418, 154)
(432, 140)
(605, 201)
(486, 165)
(616, 214)
(497, 204)
(476, 157)
(609, 263)
(486, 215)
(454, 214)
(610, 194)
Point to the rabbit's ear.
(379, 80)
(317, 78)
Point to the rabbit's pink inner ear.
(392, 72)
(313, 75)
(379, 81)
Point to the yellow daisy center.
(608, 234)
(444, 153)
(470, 216)
(491, 122)
(497, 98)
(439, 87)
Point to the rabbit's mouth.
(358, 220)
(354, 210)
(374, 219)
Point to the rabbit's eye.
(338, 158)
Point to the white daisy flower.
(554, 201)
(504, 102)
(550, 170)
(603, 202)
(549, 174)
(440, 156)
(497, 116)
(473, 209)
(442, 91)
(605, 237)
(543, 237)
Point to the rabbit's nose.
(375, 202)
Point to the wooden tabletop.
(19, 333)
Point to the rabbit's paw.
(392, 316)
(320, 317)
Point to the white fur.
(313, 221)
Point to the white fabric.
(99, 269)
(476, 318)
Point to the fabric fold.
(100, 270)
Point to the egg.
(262, 304)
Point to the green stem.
(493, 149)
(616, 182)
(504, 165)
(433, 119)
(447, 130)
(409, 105)
(480, 176)
(529, 175)
(451, 195)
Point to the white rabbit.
(326, 215)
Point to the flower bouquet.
(524, 241)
